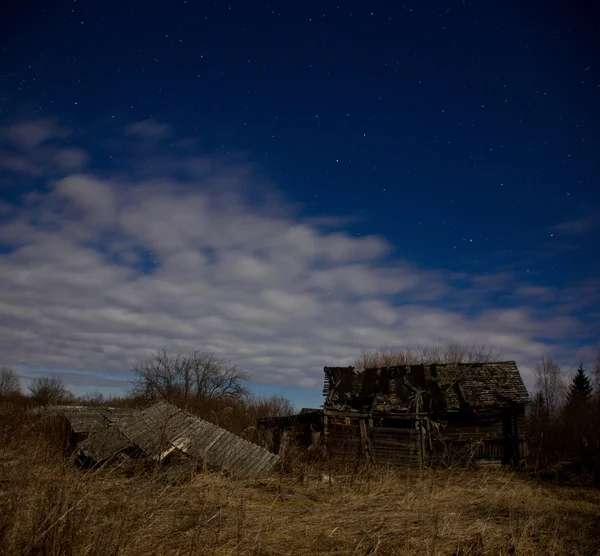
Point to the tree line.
(44, 390)
(564, 417)
(199, 382)
(184, 379)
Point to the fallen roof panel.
(162, 428)
(104, 445)
(86, 419)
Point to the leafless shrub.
(426, 355)
(239, 416)
(9, 382)
(206, 386)
(596, 374)
(550, 384)
(191, 378)
(48, 390)
(92, 398)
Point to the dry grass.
(47, 506)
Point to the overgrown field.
(47, 506)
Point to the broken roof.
(86, 419)
(104, 445)
(163, 428)
(441, 387)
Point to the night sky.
(289, 183)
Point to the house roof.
(86, 419)
(454, 386)
(163, 428)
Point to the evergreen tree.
(581, 388)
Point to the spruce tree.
(581, 387)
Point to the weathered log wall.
(493, 436)
(353, 437)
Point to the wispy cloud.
(31, 134)
(98, 272)
(149, 129)
(34, 148)
(578, 227)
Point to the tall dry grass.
(49, 507)
(426, 354)
(235, 415)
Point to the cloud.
(578, 227)
(34, 148)
(149, 129)
(100, 271)
(71, 159)
(31, 134)
(93, 197)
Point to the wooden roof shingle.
(452, 385)
(163, 428)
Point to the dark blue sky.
(464, 133)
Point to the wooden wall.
(400, 445)
(494, 436)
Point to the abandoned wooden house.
(414, 414)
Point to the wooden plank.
(231, 446)
(264, 465)
(238, 459)
(214, 454)
(248, 463)
(260, 461)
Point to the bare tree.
(9, 382)
(596, 374)
(426, 355)
(550, 384)
(92, 398)
(189, 378)
(48, 390)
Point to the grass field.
(47, 506)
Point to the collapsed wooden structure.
(85, 420)
(158, 433)
(415, 415)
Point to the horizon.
(299, 399)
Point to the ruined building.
(161, 433)
(413, 414)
